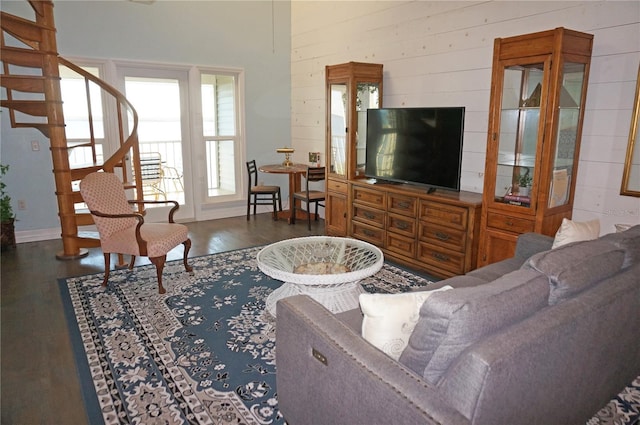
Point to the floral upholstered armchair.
(124, 231)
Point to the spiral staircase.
(31, 82)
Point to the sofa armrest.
(326, 373)
(531, 243)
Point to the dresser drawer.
(509, 223)
(404, 205)
(369, 215)
(444, 214)
(441, 258)
(401, 245)
(370, 197)
(368, 233)
(442, 236)
(337, 186)
(401, 224)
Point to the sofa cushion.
(575, 267)
(460, 281)
(574, 231)
(495, 270)
(629, 241)
(453, 320)
(389, 319)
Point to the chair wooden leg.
(107, 268)
(132, 262)
(120, 261)
(187, 247)
(159, 263)
(309, 216)
(275, 211)
(292, 219)
(248, 207)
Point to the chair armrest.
(171, 212)
(328, 374)
(127, 215)
(142, 244)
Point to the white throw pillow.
(389, 319)
(574, 231)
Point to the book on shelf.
(517, 200)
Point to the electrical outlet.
(22, 204)
(35, 145)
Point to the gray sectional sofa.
(546, 337)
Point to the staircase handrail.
(131, 142)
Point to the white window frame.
(200, 140)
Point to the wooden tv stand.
(434, 232)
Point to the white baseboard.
(37, 235)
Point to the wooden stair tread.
(23, 29)
(24, 83)
(36, 108)
(22, 57)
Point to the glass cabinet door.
(568, 119)
(519, 128)
(338, 130)
(367, 97)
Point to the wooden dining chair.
(124, 231)
(310, 196)
(261, 194)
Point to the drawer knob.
(440, 257)
(369, 215)
(509, 223)
(368, 233)
(442, 236)
(402, 225)
(403, 205)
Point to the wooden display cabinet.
(538, 93)
(352, 88)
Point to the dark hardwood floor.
(39, 382)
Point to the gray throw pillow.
(575, 267)
(451, 321)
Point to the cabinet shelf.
(514, 160)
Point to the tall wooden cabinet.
(352, 88)
(538, 93)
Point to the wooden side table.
(295, 172)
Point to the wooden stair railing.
(38, 50)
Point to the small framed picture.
(314, 158)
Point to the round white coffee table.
(326, 268)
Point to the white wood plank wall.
(439, 54)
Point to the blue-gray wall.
(252, 35)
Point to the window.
(220, 132)
(76, 111)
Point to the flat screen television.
(421, 146)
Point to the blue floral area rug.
(204, 352)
